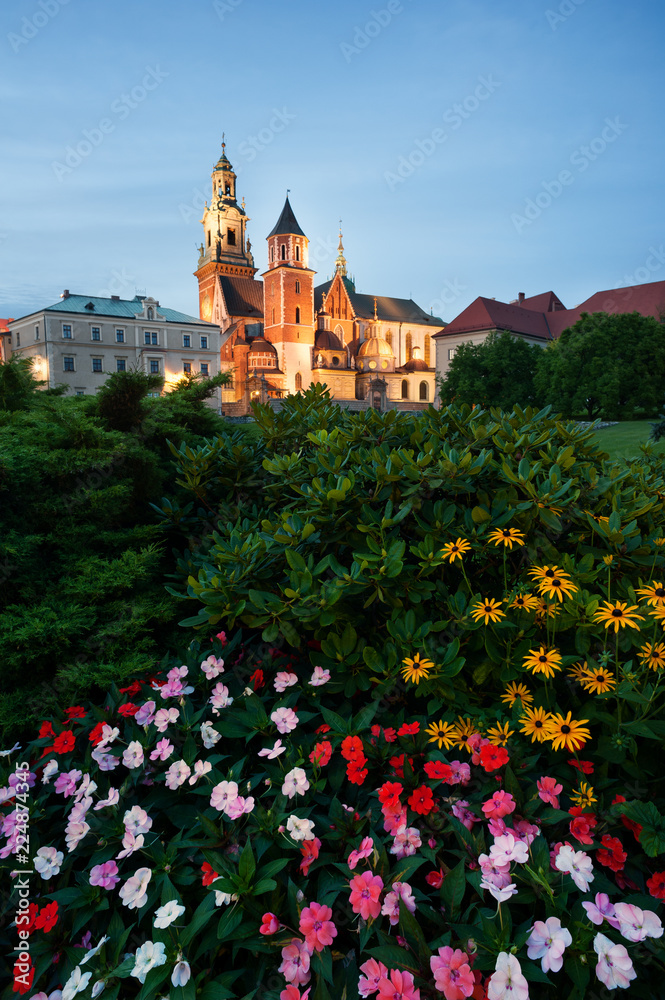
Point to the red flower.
(131, 690)
(635, 828)
(324, 728)
(409, 729)
(389, 794)
(493, 757)
(582, 825)
(75, 712)
(438, 771)
(356, 771)
(582, 765)
(96, 733)
(128, 709)
(64, 741)
(25, 921)
(421, 800)
(24, 973)
(209, 874)
(397, 764)
(257, 679)
(45, 730)
(269, 924)
(352, 748)
(613, 856)
(656, 885)
(435, 878)
(310, 852)
(321, 753)
(48, 917)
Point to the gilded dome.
(375, 347)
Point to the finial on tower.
(223, 142)
(340, 262)
(375, 316)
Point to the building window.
(231, 237)
(95, 333)
(297, 288)
(67, 331)
(120, 365)
(186, 340)
(97, 364)
(80, 392)
(273, 317)
(335, 361)
(204, 343)
(205, 368)
(150, 313)
(119, 336)
(405, 389)
(427, 349)
(451, 353)
(298, 381)
(187, 367)
(18, 339)
(153, 339)
(297, 252)
(146, 337)
(68, 364)
(283, 251)
(272, 253)
(208, 237)
(297, 314)
(409, 346)
(154, 367)
(389, 338)
(37, 332)
(423, 390)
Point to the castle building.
(281, 332)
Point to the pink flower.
(75, 831)
(133, 756)
(601, 910)
(275, 752)
(201, 767)
(547, 941)
(499, 886)
(211, 667)
(506, 849)
(177, 774)
(105, 761)
(134, 892)
(285, 679)
(295, 783)
(636, 924)
(220, 698)
(292, 992)
(269, 924)
(316, 925)
(373, 972)
(461, 773)
(222, 794)
(365, 893)
(364, 851)
(501, 804)
(105, 875)
(548, 789)
(145, 714)
(399, 891)
(111, 799)
(507, 982)
(65, 783)
(397, 986)
(239, 806)
(319, 677)
(406, 841)
(614, 967)
(163, 750)
(577, 864)
(285, 719)
(525, 831)
(295, 962)
(130, 844)
(164, 718)
(464, 815)
(452, 974)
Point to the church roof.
(388, 309)
(375, 346)
(326, 340)
(287, 224)
(416, 365)
(260, 345)
(124, 308)
(243, 296)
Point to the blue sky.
(483, 147)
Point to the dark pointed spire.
(287, 224)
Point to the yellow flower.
(618, 614)
(442, 733)
(524, 602)
(557, 586)
(658, 541)
(487, 608)
(416, 669)
(455, 550)
(608, 560)
(545, 610)
(498, 735)
(534, 723)
(579, 671)
(543, 661)
(598, 681)
(515, 691)
(653, 655)
(653, 594)
(544, 572)
(506, 536)
(464, 728)
(566, 732)
(584, 797)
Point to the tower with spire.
(288, 289)
(225, 248)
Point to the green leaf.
(247, 864)
(454, 884)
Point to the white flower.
(548, 940)
(577, 864)
(614, 967)
(6, 753)
(98, 988)
(285, 679)
(111, 799)
(201, 767)
(220, 698)
(48, 772)
(74, 834)
(295, 783)
(181, 974)
(285, 719)
(177, 774)
(319, 677)
(134, 893)
(209, 735)
(636, 924)
(109, 734)
(222, 794)
(48, 861)
(506, 849)
(137, 820)
(105, 761)
(300, 829)
(224, 898)
(500, 893)
(507, 982)
(93, 951)
(130, 844)
(76, 983)
(167, 913)
(148, 957)
(133, 756)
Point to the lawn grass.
(624, 439)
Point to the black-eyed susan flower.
(533, 723)
(506, 536)
(653, 655)
(653, 594)
(598, 681)
(455, 550)
(584, 797)
(487, 608)
(579, 671)
(608, 560)
(416, 669)
(515, 691)
(559, 586)
(499, 734)
(524, 602)
(544, 611)
(564, 731)
(544, 572)
(464, 728)
(543, 661)
(618, 614)
(442, 733)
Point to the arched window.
(297, 314)
(273, 317)
(150, 314)
(427, 349)
(272, 253)
(409, 348)
(209, 237)
(339, 332)
(283, 251)
(389, 338)
(297, 252)
(423, 390)
(405, 388)
(298, 381)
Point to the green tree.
(605, 365)
(498, 372)
(121, 400)
(18, 385)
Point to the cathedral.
(281, 332)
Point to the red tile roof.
(648, 300)
(488, 314)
